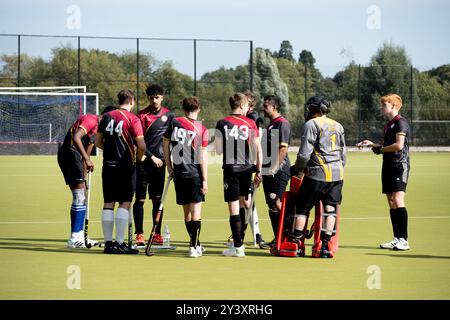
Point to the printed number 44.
(111, 129)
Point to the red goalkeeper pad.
(333, 245)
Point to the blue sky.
(323, 27)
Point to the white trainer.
(389, 245)
(402, 245)
(200, 249)
(193, 253)
(75, 244)
(235, 252)
(240, 252)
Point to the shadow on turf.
(409, 256)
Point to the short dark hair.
(251, 98)
(274, 101)
(191, 103)
(154, 89)
(108, 109)
(236, 100)
(126, 96)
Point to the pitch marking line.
(215, 220)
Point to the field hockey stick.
(130, 229)
(148, 248)
(87, 184)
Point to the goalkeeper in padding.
(320, 161)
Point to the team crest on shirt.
(225, 186)
(392, 125)
(270, 127)
(164, 118)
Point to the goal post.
(36, 122)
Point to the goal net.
(41, 119)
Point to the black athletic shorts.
(149, 178)
(237, 184)
(311, 191)
(188, 190)
(274, 186)
(118, 184)
(394, 177)
(71, 165)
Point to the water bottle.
(166, 237)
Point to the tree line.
(354, 91)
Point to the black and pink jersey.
(187, 138)
(237, 132)
(87, 122)
(397, 125)
(155, 125)
(120, 128)
(277, 134)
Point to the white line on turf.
(217, 220)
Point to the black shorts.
(274, 186)
(311, 191)
(149, 178)
(188, 190)
(118, 184)
(394, 177)
(237, 184)
(71, 165)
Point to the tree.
(267, 78)
(286, 51)
(306, 57)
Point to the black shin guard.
(138, 215)
(394, 221)
(236, 230)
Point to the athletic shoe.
(324, 251)
(234, 252)
(389, 245)
(76, 244)
(200, 249)
(267, 246)
(240, 252)
(93, 243)
(401, 245)
(259, 238)
(108, 248)
(157, 239)
(140, 241)
(123, 248)
(194, 253)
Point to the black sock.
(298, 233)
(196, 226)
(155, 209)
(274, 217)
(402, 220)
(324, 236)
(236, 226)
(138, 215)
(394, 221)
(188, 225)
(244, 225)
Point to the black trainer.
(265, 245)
(123, 248)
(108, 249)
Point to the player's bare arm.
(141, 147)
(79, 134)
(99, 141)
(167, 159)
(204, 169)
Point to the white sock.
(122, 217)
(107, 224)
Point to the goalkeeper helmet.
(316, 104)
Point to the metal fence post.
(195, 67)
(18, 60)
(137, 74)
(79, 61)
(412, 103)
(251, 66)
(359, 103)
